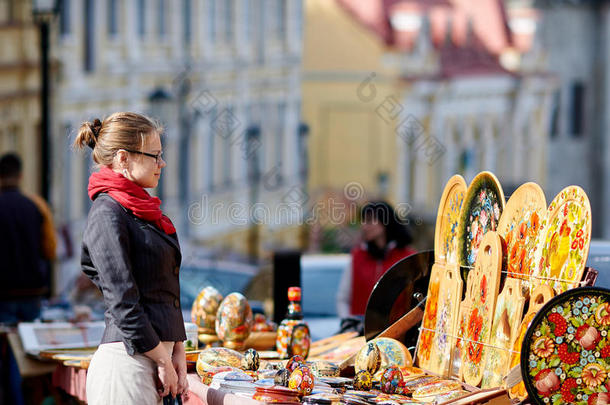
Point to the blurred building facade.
(222, 76)
(419, 91)
(575, 35)
(20, 89)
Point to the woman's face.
(372, 228)
(144, 170)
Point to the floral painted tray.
(484, 294)
(426, 336)
(506, 320)
(565, 357)
(446, 321)
(563, 241)
(483, 205)
(447, 220)
(519, 227)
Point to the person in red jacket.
(385, 241)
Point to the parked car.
(599, 259)
(320, 277)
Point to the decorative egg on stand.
(234, 321)
(205, 307)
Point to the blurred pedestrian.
(131, 253)
(385, 241)
(27, 246)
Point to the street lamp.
(303, 132)
(253, 134)
(43, 12)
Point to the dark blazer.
(136, 266)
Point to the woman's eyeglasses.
(158, 157)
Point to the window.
(141, 15)
(186, 23)
(246, 19)
(228, 20)
(279, 134)
(67, 173)
(89, 42)
(226, 151)
(161, 18)
(554, 127)
(87, 170)
(578, 109)
(299, 18)
(281, 18)
(210, 152)
(212, 21)
(112, 18)
(64, 16)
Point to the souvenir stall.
(502, 311)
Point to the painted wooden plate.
(487, 275)
(426, 336)
(446, 321)
(481, 211)
(507, 317)
(565, 356)
(563, 241)
(519, 227)
(538, 298)
(447, 219)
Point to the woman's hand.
(179, 362)
(165, 370)
(168, 378)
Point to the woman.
(131, 253)
(385, 241)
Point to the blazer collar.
(172, 240)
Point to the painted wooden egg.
(363, 381)
(282, 377)
(251, 360)
(294, 362)
(390, 379)
(234, 320)
(218, 357)
(368, 358)
(205, 306)
(302, 380)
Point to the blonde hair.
(121, 130)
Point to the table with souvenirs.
(502, 311)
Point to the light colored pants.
(115, 377)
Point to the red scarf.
(130, 196)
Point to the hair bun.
(95, 128)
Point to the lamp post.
(43, 12)
(303, 132)
(253, 134)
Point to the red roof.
(397, 23)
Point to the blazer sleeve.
(107, 241)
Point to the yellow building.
(401, 96)
(20, 89)
(348, 142)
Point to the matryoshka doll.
(293, 337)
